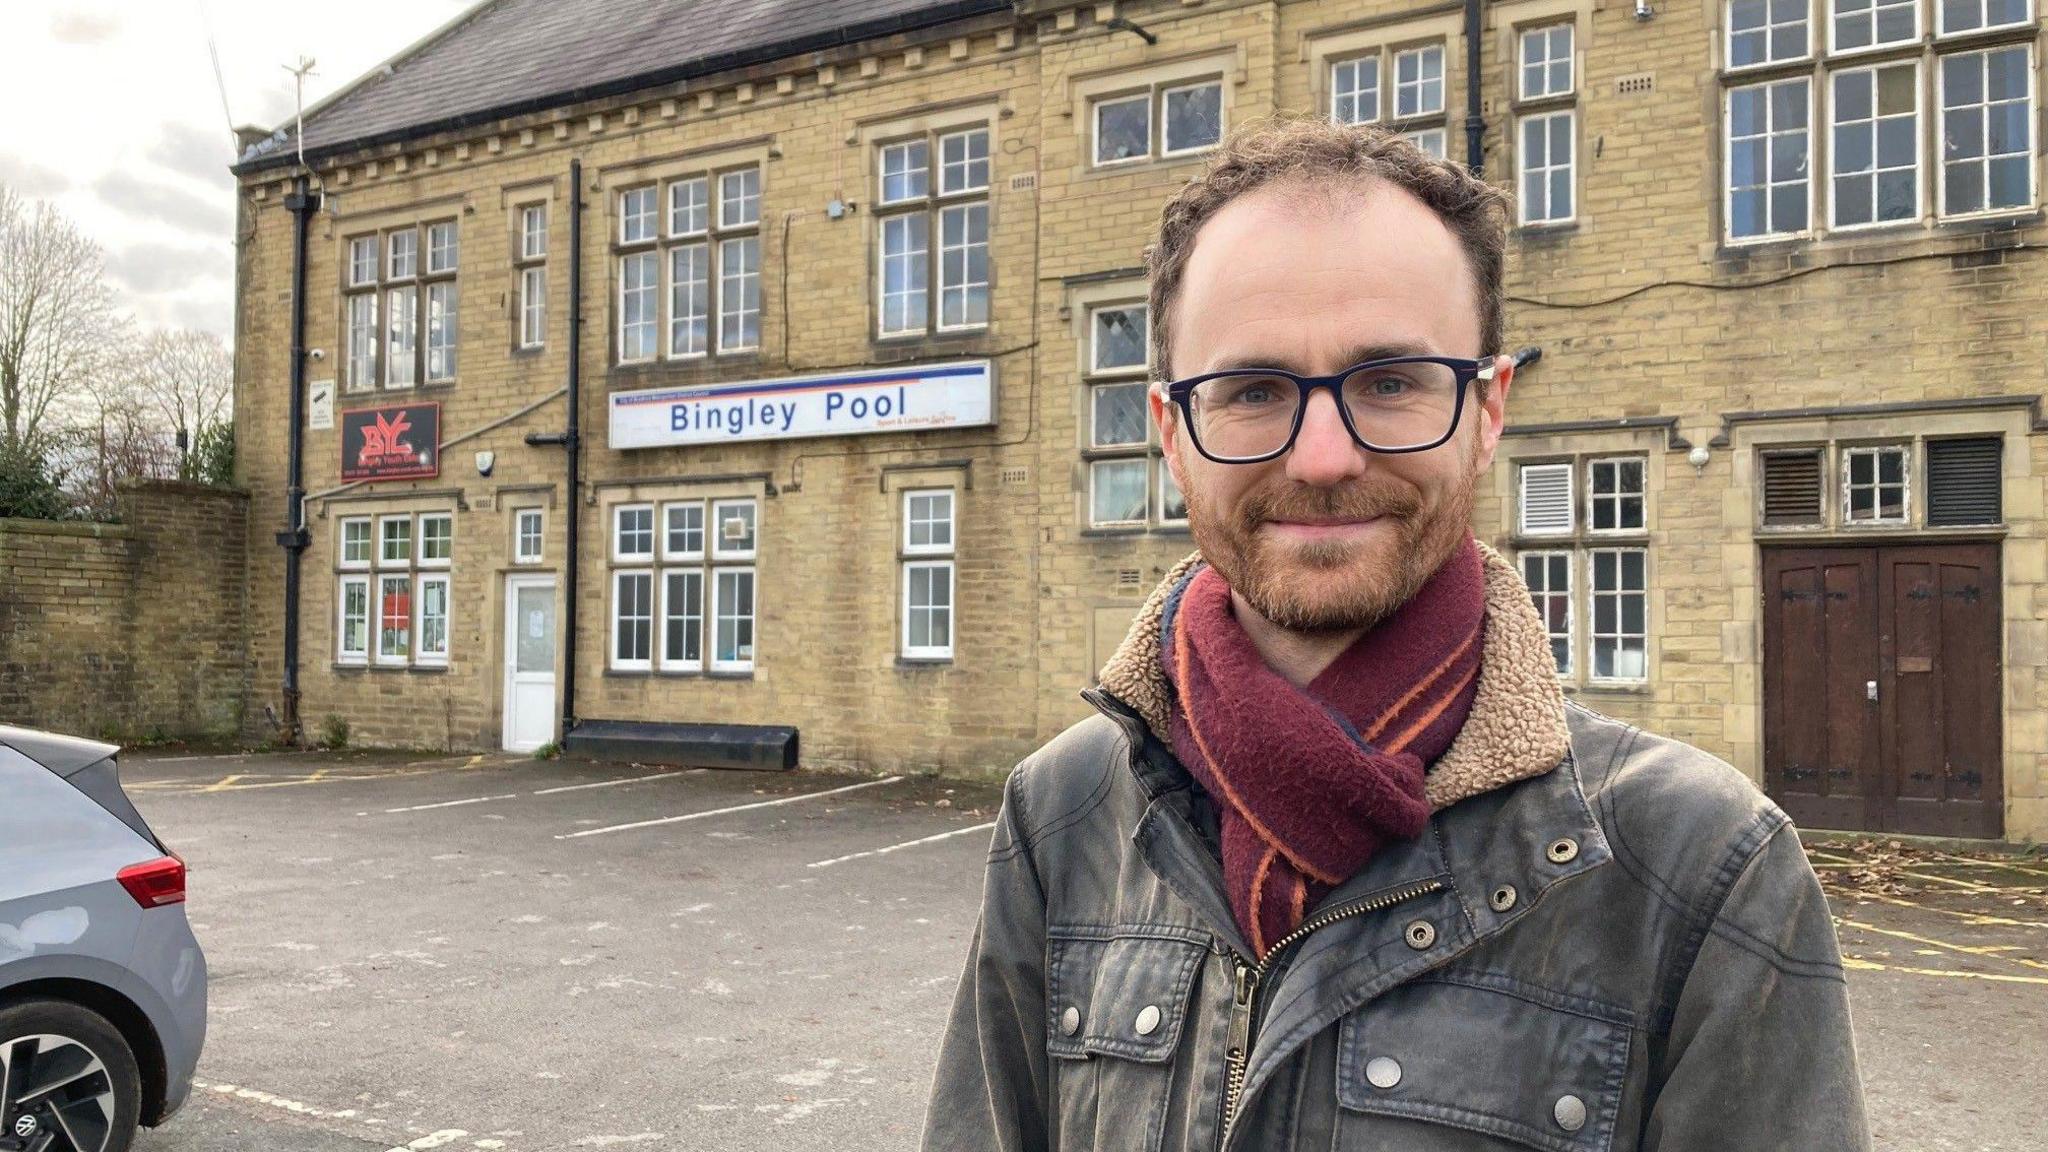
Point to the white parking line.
(456, 803)
(609, 783)
(902, 846)
(727, 811)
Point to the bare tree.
(57, 321)
(187, 377)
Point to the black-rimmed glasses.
(1401, 404)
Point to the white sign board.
(320, 405)
(912, 398)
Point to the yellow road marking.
(1967, 949)
(2006, 865)
(1976, 918)
(1966, 885)
(225, 783)
(1857, 964)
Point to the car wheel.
(68, 1081)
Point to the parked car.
(102, 985)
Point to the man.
(1337, 866)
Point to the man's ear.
(1167, 417)
(1493, 411)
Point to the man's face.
(1329, 536)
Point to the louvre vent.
(1546, 499)
(1792, 489)
(1963, 482)
(1635, 84)
(1015, 475)
(1128, 577)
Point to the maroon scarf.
(1312, 782)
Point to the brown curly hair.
(1317, 152)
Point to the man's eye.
(1384, 386)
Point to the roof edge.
(918, 21)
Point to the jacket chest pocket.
(1448, 1065)
(1116, 1008)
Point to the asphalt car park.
(497, 952)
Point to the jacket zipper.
(1244, 999)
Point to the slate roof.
(507, 57)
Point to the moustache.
(1349, 502)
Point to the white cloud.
(115, 118)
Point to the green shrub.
(27, 489)
(334, 732)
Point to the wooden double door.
(1882, 707)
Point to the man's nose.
(1324, 454)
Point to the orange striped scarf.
(1310, 783)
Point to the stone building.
(861, 368)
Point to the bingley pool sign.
(906, 399)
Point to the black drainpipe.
(1475, 128)
(295, 539)
(575, 441)
(572, 441)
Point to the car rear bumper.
(168, 958)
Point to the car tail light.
(155, 883)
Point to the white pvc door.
(529, 662)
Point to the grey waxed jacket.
(1621, 947)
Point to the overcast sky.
(114, 116)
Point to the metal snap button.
(1383, 1071)
(1503, 898)
(1148, 1020)
(1570, 1113)
(1420, 934)
(1070, 1020)
(1562, 850)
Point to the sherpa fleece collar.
(1516, 729)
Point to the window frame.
(664, 530)
(1845, 510)
(343, 654)
(931, 611)
(383, 556)
(446, 581)
(1166, 151)
(1618, 496)
(1377, 57)
(663, 616)
(1918, 35)
(540, 535)
(1095, 111)
(1876, 120)
(1569, 672)
(618, 553)
(420, 557)
(378, 618)
(934, 206)
(1570, 166)
(530, 265)
(1571, 60)
(732, 295)
(370, 543)
(753, 618)
(910, 498)
(1619, 593)
(1144, 463)
(615, 617)
(1939, 114)
(1728, 40)
(1728, 237)
(1421, 82)
(1943, 32)
(715, 533)
(1153, 95)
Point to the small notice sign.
(320, 405)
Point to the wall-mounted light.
(1644, 12)
(1698, 458)
(485, 461)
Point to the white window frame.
(911, 497)
(533, 232)
(1421, 83)
(1095, 365)
(1570, 166)
(966, 286)
(1594, 497)
(920, 187)
(401, 336)
(419, 545)
(689, 216)
(967, 162)
(639, 208)
(715, 531)
(930, 612)
(664, 615)
(746, 202)
(384, 557)
(1432, 141)
(1144, 464)
(1876, 486)
(343, 654)
(1728, 38)
(1940, 116)
(411, 254)
(1569, 671)
(533, 307)
(689, 301)
(1875, 45)
(753, 619)
(1096, 393)
(1095, 140)
(1166, 149)
(615, 617)
(1522, 474)
(383, 658)
(913, 255)
(1876, 122)
(1619, 594)
(435, 230)
(1166, 480)
(663, 530)
(520, 555)
(1375, 58)
(1542, 33)
(1728, 235)
(364, 261)
(370, 543)
(739, 294)
(420, 656)
(1943, 31)
(650, 317)
(619, 554)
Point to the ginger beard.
(1333, 585)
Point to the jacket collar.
(1515, 730)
